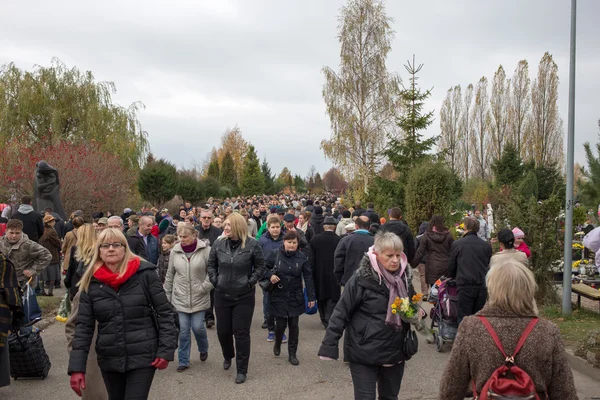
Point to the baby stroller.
(444, 322)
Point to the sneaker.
(182, 368)
(271, 337)
(284, 339)
(210, 323)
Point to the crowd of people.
(143, 283)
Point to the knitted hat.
(518, 233)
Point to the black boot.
(227, 364)
(240, 378)
(294, 360)
(277, 348)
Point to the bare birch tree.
(546, 143)
(465, 134)
(450, 115)
(499, 111)
(520, 105)
(360, 97)
(480, 137)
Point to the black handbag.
(266, 284)
(411, 342)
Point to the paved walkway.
(269, 377)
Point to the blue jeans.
(194, 321)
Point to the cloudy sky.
(203, 66)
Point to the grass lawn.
(574, 328)
(49, 305)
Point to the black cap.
(318, 210)
(280, 211)
(289, 218)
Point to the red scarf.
(106, 276)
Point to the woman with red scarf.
(137, 332)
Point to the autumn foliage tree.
(334, 181)
(91, 179)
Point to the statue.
(46, 189)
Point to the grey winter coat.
(187, 284)
(340, 230)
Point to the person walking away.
(166, 246)
(269, 242)
(371, 214)
(33, 224)
(50, 241)
(287, 268)
(484, 228)
(469, 263)
(340, 230)
(81, 257)
(421, 266)
(209, 234)
(351, 250)
(28, 257)
(435, 244)
(188, 287)
(115, 292)
(520, 244)
(235, 265)
(11, 313)
(398, 226)
(322, 257)
(374, 336)
(316, 220)
(70, 241)
(510, 308)
(507, 252)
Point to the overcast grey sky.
(202, 66)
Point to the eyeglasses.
(205, 217)
(113, 245)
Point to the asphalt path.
(269, 377)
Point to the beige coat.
(95, 388)
(187, 284)
(510, 255)
(26, 255)
(475, 356)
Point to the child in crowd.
(167, 243)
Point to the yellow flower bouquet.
(408, 309)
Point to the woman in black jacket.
(374, 338)
(116, 291)
(286, 267)
(235, 265)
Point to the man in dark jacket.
(316, 220)
(322, 252)
(469, 263)
(33, 225)
(371, 214)
(209, 233)
(351, 249)
(398, 226)
(358, 210)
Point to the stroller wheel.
(439, 342)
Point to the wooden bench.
(588, 292)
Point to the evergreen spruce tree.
(299, 184)
(252, 178)
(157, 182)
(227, 174)
(268, 177)
(508, 170)
(213, 169)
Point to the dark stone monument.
(46, 189)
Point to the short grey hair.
(206, 211)
(116, 218)
(388, 241)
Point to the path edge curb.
(582, 366)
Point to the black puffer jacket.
(361, 312)
(233, 271)
(288, 300)
(127, 337)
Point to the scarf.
(10, 298)
(395, 282)
(304, 227)
(106, 276)
(191, 247)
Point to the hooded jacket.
(33, 224)
(26, 255)
(340, 230)
(436, 245)
(401, 230)
(187, 284)
(360, 315)
(316, 221)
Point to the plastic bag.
(64, 310)
(31, 308)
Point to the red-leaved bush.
(90, 179)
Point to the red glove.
(160, 363)
(77, 382)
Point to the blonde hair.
(239, 227)
(86, 244)
(109, 235)
(188, 229)
(511, 287)
(388, 241)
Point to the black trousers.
(131, 385)
(234, 318)
(326, 308)
(209, 315)
(470, 300)
(370, 380)
(294, 334)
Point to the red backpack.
(508, 382)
